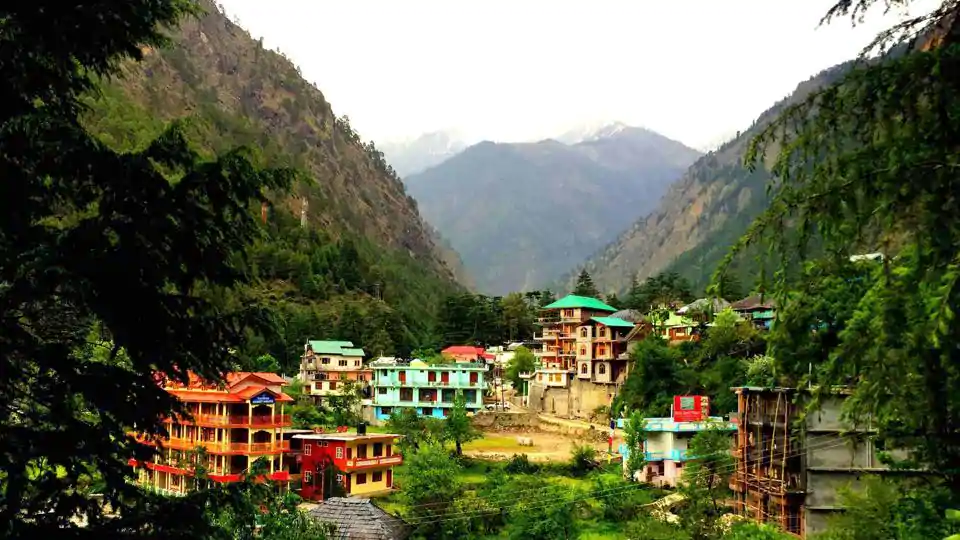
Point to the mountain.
(520, 214)
(701, 215)
(366, 267)
(416, 155)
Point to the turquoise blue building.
(429, 389)
(665, 446)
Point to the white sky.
(514, 70)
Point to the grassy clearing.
(500, 443)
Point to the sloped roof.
(631, 315)
(343, 348)
(715, 304)
(612, 322)
(754, 302)
(572, 301)
(464, 349)
(359, 519)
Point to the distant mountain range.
(416, 155)
(701, 216)
(521, 214)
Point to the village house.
(362, 464)
(666, 440)
(428, 389)
(326, 365)
(759, 310)
(235, 423)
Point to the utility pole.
(303, 213)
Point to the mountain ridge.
(501, 204)
(700, 216)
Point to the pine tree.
(585, 286)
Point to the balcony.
(368, 463)
(214, 447)
(238, 420)
(670, 455)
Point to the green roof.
(613, 321)
(572, 301)
(343, 348)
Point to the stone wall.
(505, 420)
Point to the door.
(445, 377)
(403, 377)
(473, 377)
(389, 478)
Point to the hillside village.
(226, 316)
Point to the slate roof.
(359, 519)
(754, 302)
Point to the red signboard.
(690, 408)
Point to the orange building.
(235, 423)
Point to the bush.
(520, 464)
(584, 459)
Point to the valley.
(228, 314)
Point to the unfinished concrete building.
(790, 466)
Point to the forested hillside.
(366, 267)
(700, 217)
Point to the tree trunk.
(459, 448)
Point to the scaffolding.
(769, 483)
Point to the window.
(361, 451)
(386, 410)
(307, 448)
(406, 394)
(583, 368)
(377, 449)
(378, 476)
(339, 478)
(381, 390)
(339, 452)
(324, 360)
(333, 385)
(583, 332)
(361, 478)
(583, 351)
(324, 444)
(349, 453)
(307, 477)
(432, 376)
(446, 412)
(428, 411)
(356, 362)
(602, 369)
(342, 363)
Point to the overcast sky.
(514, 70)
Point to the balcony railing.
(365, 463)
(237, 420)
(227, 447)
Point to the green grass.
(500, 443)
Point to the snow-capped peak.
(592, 131)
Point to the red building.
(362, 464)
(467, 353)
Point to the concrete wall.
(578, 401)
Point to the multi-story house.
(580, 339)
(666, 440)
(235, 423)
(325, 366)
(429, 389)
(362, 463)
(791, 466)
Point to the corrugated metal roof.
(613, 322)
(572, 301)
